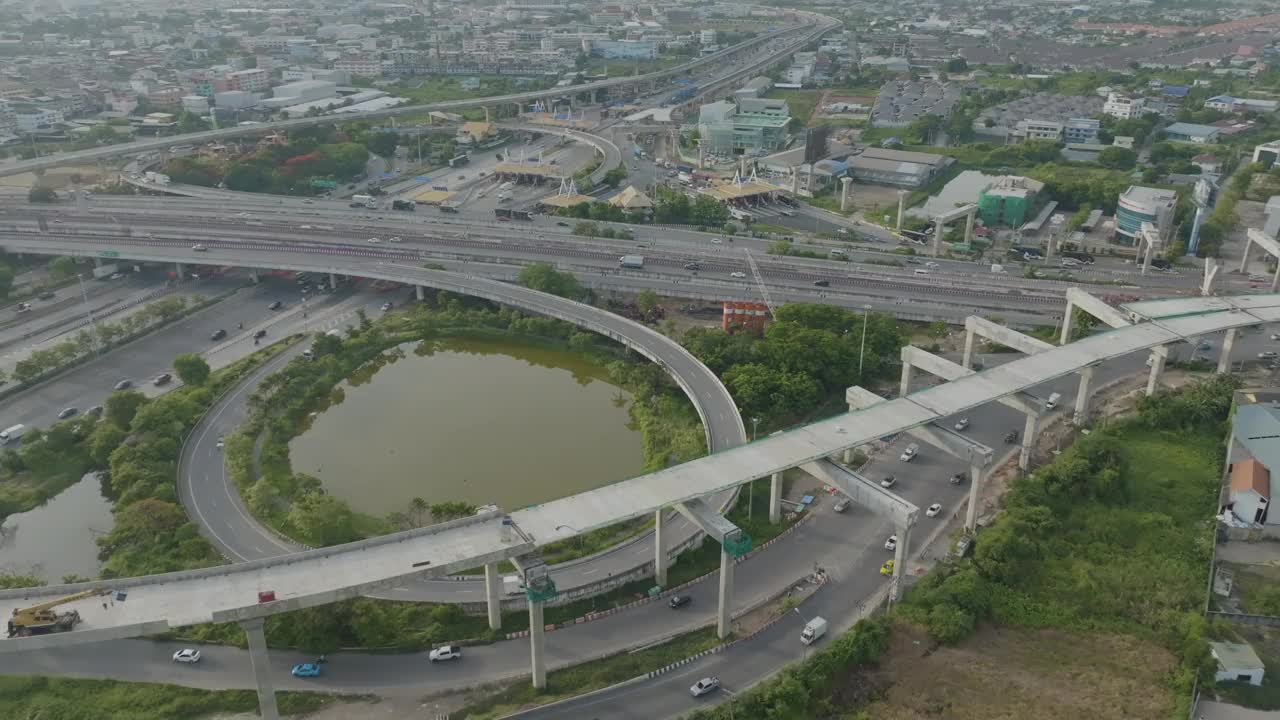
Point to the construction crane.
(755, 270)
(41, 619)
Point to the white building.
(305, 91)
(251, 80)
(234, 100)
(707, 37)
(1037, 130)
(36, 119)
(1123, 106)
(1237, 662)
(197, 104)
(360, 66)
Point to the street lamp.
(862, 348)
(93, 323)
(755, 423)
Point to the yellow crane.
(41, 619)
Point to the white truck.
(513, 584)
(631, 261)
(156, 178)
(105, 271)
(365, 200)
(813, 630)
(11, 434)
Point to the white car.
(374, 241)
(445, 652)
(220, 443)
(393, 239)
(199, 248)
(891, 543)
(910, 453)
(739, 275)
(116, 276)
(933, 510)
(717, 241)
(187, 655)
(704, 686)
(1275, 336)
(962, 423)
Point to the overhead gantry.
(1259, 238)
(941, 220)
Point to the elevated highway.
(796, 36)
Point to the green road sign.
(109, 253)
(324, 184)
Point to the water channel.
(59, 537)
(480, 421)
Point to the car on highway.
(162, 379)
(445, 652)
(704, 686)
(962, 423)
(822, 283)
(275, 305)
(116, 276)
(692, 266)
(1267, 354)
(679, 601)
(187, 655)
(260, 334)
(842, 505)
(199, 248)
(959, 478)
(67, 412)
(218, 334)
(891, 543)
(1275, 337)
(716, 241)
(393, 239)
(562, 223)
(221, 442)
(910, 453)
(933, 510)
(306, 670)
(46, 295)
(124, 385)
(373, 241)
(887, 568)
(22, 308)
(888, 481)
(738, 274)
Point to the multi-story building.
(1037, 130)
(197, 104)
(1229, 104)
(707, 37)
(1012, 200)
(1141, 204)
(251, 80)
(360, 66)
(628, 49)
(1124, 107)
(752, 125)
(1081, 131)
(34, 119)
(8, 122)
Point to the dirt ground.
(1002, 673)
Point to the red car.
(504, 218)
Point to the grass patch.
(63, 699)
(590, 676)
(800, 102)
(422, 90)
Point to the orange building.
(744, 316)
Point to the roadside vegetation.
(66, 699)
(1111, 542)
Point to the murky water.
(57, 538)
(479, 421)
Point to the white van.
(921, 271)
(12, 434)
(1052, 402)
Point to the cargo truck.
(513, 584)
(631, 261)
(105, 271)
(813, 630)
(366, 200)
(407, 205)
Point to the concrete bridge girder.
(914, 357)
(977, 326)
(1259, 238)
(864, 492)
(949, 441)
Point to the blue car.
(306, 670)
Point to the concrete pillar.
(1244, 259)
(1275, 279)
(702, 156)
(968, 226)
(937, 237)
(905, 387)
(420, 292)
(848, 453)
(260, 662)
(975, 494)
(660, 561)
(900, 553)
(967, 360)
(1029, 431)
(333, 281)
(1224, 359)
(1081, 412)
(180, 271)
(902, 199)
(1068, 317)
(537, 639)
(493, 591)
(1157, 369)
(845, 182)
(775, 499)
(795, 181)
(253, 275)
(724, 613)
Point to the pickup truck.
(910, 453)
